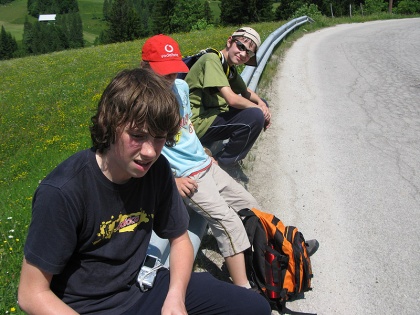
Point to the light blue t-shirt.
(188, 155)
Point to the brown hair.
(138, 98)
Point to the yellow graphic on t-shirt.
(124, 223)
(186, 124)
(178, 136)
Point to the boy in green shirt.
(222, 105)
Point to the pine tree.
(185, 15)
(8, 44)
(236, 12)
(36, 7)
(233, 12)
(144, 9)
(67, 6)
(47, 7)
(75, 28)
(107, 9)
(37, 41)
(33, 8)
(252, 11)
(265, 10)
(63, 30)
(207, 13)
(287, 8)
(27, 37)
(161, 15)
(124, 22)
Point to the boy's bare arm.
(181, 264)
(235, 100)
(248, 100)
(35, 295)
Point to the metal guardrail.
(251, 75)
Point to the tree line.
(41, 37)
(132, 19)
(143, 18)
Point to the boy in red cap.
(204, 186)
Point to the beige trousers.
(218, 198)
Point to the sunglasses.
(242, 47)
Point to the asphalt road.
(342, 163)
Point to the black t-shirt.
(93, 234)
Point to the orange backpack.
(277, 261)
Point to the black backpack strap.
(191, 60)
(250, 221)
(226, 68)
(282, 309)
(246, 213)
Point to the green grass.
(92, 18)
(45, 107)
(13, 12)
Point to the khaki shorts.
(218, 198)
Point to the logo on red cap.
(169, 48)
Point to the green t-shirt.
(205, 78)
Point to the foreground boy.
(93, 216)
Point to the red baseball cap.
(163, 55)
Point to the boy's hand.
(173, 306)
(186, 186)
(267, 115)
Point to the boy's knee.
(253, 116)
(253, 303)
(258, 116)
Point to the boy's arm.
(35, 295)
(180, 268)
(235, 100)
(253, 97)
(247, 100)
